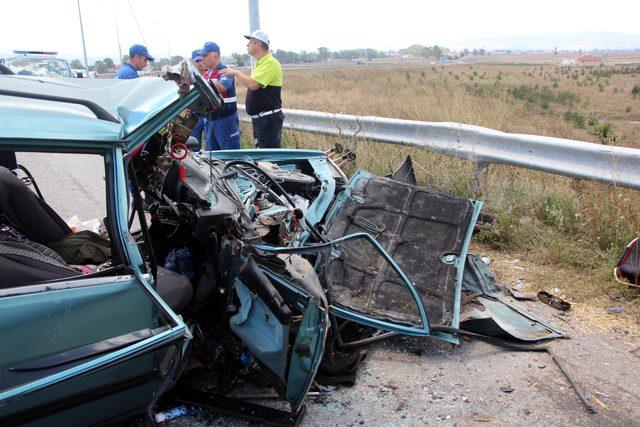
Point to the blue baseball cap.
(210, 47)
(196, 56)
(138, 49)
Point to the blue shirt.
(229, 95)
(126, 72)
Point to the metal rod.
(583, 398)
(254, 20)
(115, 18)
(84, 48)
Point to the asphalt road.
(72, 184)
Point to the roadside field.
(573, 230)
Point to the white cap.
(259, 35)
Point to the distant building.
(589, 60)
(568, 62)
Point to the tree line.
(322, 54)
(102, 66)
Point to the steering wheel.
(179, 151)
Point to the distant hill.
(563, 41)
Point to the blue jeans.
(222, 134)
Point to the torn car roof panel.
(425, 231)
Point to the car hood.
(92, 110)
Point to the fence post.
(476, 181)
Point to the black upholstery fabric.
(174, 289)
(23, 262)
(25, 211)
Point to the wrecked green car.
(210, 271)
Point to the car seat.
(28, 261)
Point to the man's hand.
(246, 80)
(228, 72)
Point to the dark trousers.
(267, 130)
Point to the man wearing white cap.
(264, 86)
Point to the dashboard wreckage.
(245, 268)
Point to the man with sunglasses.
(264, 87)
(138, 59)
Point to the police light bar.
(34, 52)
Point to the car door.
(423, 232)
(350, 268)
(84, 350)
(270, 308)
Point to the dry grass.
(567, 227)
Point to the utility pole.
(115, 17)
(84, 48)
(254, 19)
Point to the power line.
(135, 18)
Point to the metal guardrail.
(577, 159)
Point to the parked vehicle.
(251, 266)
(38, 63)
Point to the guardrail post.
(477, 177)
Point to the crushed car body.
(262, 266)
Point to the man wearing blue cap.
(196, 57)
(197, 130)
(221, 126)
(138, 57)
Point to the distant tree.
(76, 64)
(465, 52)
(125, 58)
(437, 52)
(100, 67)
(237, 58)
(323, 53)
(426, 52)
(161, 62)
(108, 62)
(176, 59)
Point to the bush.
(636, 89)
(604, 132)
(559, 211)
(540, 96)
(578, 119)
